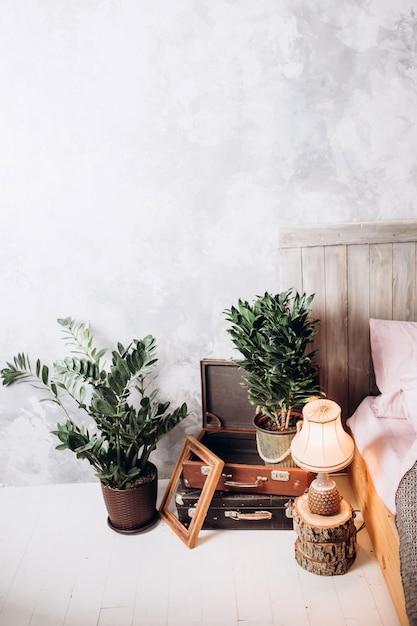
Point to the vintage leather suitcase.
(237, 511)
(228, 431)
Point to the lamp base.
(323, 496)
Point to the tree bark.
(326, 545)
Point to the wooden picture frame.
(214, 464)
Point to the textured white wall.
(149, 152)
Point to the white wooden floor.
(60, 565)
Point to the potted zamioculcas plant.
(274, 334)
(127, 419)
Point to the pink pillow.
(394, 353)
(390, 405)
(409, 387)
(401, 404)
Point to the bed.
(361, 272)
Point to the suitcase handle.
(236, 483)
(212, 417)
(249, 517)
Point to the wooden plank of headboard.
(336, 357)
(380, 280)
(404, 281)
(356, 271)
(360, 374)
(313, 272)
(353, 233)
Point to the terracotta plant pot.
(133, 511)
(274, 446)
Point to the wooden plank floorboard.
(60, 565)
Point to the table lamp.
(322, 446)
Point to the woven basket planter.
(132, 511)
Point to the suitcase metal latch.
(280, 475)
(289, 509)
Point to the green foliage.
(128, 419)
(273, 335)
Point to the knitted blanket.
(406, 522)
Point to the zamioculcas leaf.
(274, 336)
(83, 393)
(124, 434)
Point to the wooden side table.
(325, 545)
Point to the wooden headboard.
(356, 271)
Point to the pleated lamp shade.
(322, 445)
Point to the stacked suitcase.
(249, 493)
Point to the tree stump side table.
(325, 545)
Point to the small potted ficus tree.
(274, 335)
(127, 418)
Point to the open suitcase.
(248, 493)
